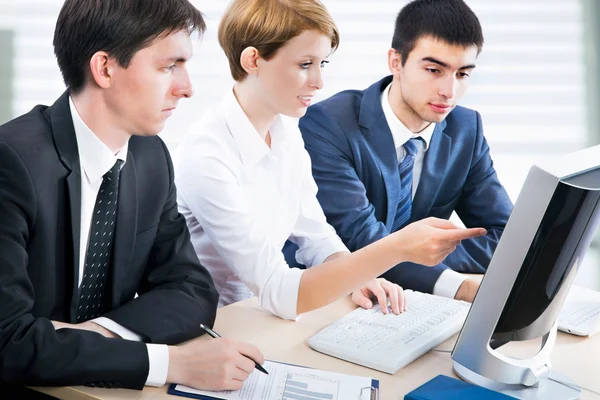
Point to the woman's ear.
(249, 60)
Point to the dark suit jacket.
(354, 163)
(40, 205)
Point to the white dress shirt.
(242, 200)
(449, 281)
(97, 159)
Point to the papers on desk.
(290, 382)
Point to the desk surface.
(285, 341)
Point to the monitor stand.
(523, 379)
(545, 389)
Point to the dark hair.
(118, 27)
(451, 21)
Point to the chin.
(295, 113)
(155, 129)
(301, 112)
(149, 131)
(435, 117)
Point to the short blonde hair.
(267, 25)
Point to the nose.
(183, 85)
(316, 79)
(448, 87)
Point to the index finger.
(462, 234)
(251, 351)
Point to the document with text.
(291, 382)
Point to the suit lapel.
(380, 139)
(379, 136)
(126, 227)
(65, 141)
(74, 188)
(433, 173)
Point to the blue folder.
(447, 388)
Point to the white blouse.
(242, 200)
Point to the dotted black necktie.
(92, 299)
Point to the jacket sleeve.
(483, 203)
(176, 293)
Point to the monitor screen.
(531, 272)
(555, 253)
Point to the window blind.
(528, 84)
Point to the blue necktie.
(405, 168)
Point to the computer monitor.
(546, 237)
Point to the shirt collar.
(95, 157)
(400, 133)
(251, 146)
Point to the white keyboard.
(580, 314)
(388, 342)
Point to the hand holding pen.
(215, 364)
(216, 335)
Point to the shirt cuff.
(282, 299)
(448, 283)
(117, 329)
(317, 253)
(158, 356)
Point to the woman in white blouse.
(245, 184)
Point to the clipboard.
(373, 390)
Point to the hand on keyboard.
(382, 290)
(389, 342)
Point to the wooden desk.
(286, 341)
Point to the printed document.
(293, 382)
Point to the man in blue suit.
(402, 150)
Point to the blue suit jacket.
(354, 163)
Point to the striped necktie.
(405, 168)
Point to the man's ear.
(249, 60)
(101, 68)
(394, 62)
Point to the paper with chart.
(289, 382)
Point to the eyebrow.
(314, 57)
(176, 59)
(443, 64)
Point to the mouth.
(440, 108)
(305, 100)
(168, 111)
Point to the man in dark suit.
(402, 150)
(98, 278)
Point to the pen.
(216, 335)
